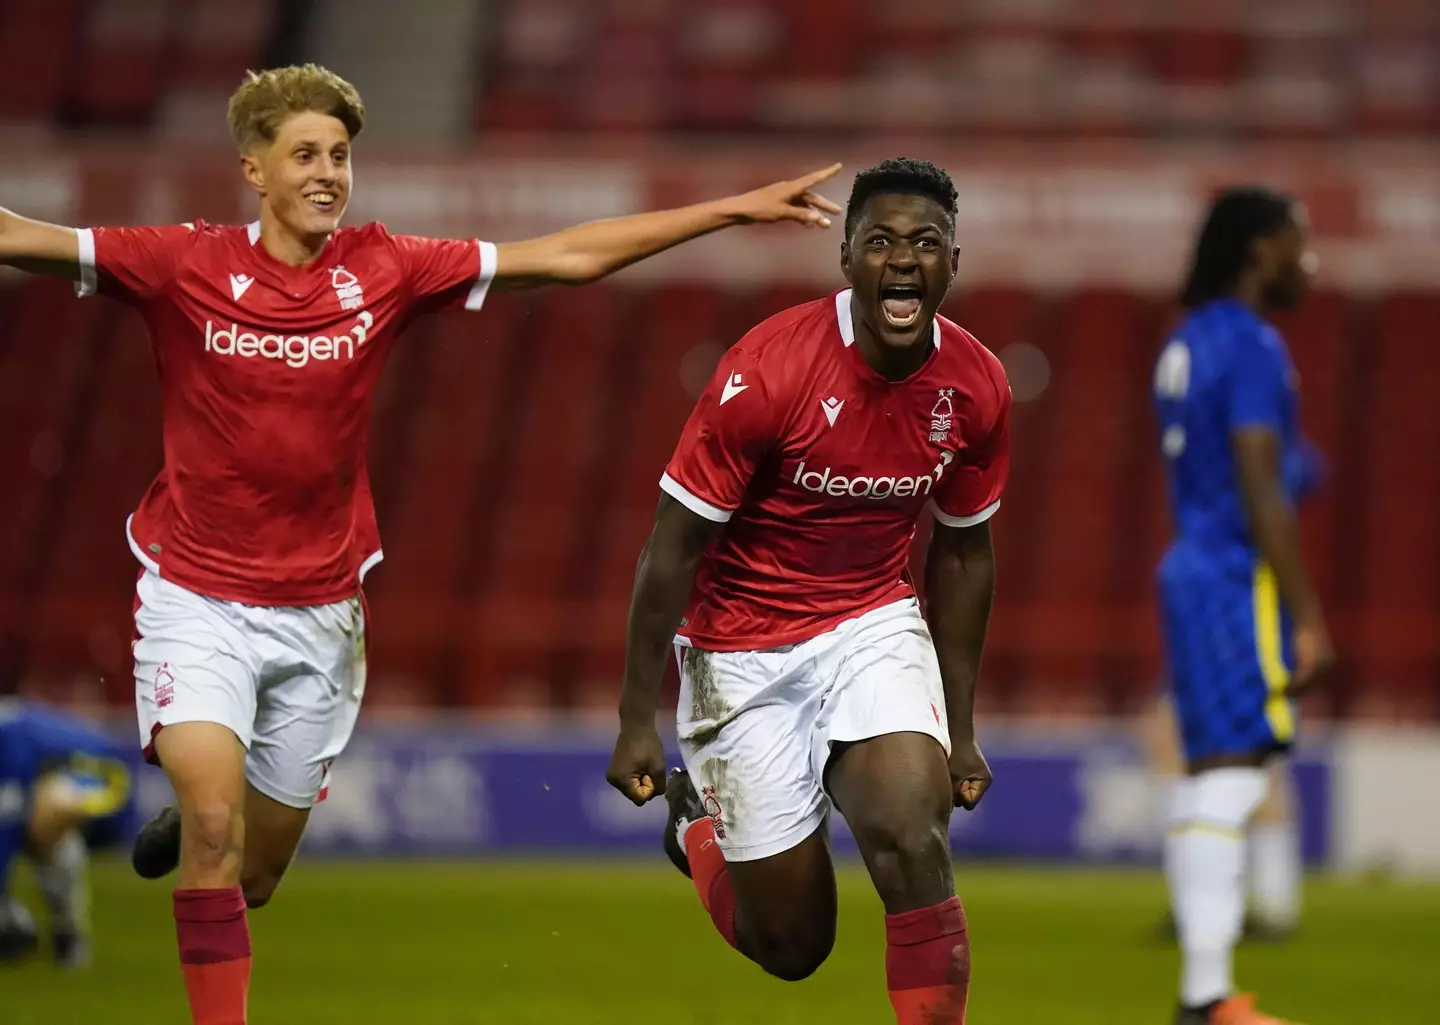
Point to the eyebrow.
(918, 231)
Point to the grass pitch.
(563, 943)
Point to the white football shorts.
(287, 681)
(756, 728)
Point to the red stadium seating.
(515, 458)
(1395, 543)
(841, 66)
(33, 71)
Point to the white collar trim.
(847, 323)
(252, 232)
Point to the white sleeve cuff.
(478, 291)
(698, 506)
(964, 521)
(88, 283)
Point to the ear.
(954, 260)
(845, 260)
(254, 175)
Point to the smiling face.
(900, 260)
(304, 175)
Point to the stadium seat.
(33, 77)
(123, 63)
(1089, 452)
(85, 600)
(1394, 540)
(543, 538)
(432, 493)
(676, 340)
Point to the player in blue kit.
(1244, 629)
(63, 785)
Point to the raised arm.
(593, 250)
(959, 587)
(38, 247)
(663, 578)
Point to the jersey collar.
(847, 323)
(252, 232)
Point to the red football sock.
(927, 964)
(214, 953)
(712, 882)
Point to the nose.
(902, 257)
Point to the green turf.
(421, 943)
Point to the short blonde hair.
(265, 100)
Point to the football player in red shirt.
(776, 569)
(249, 659)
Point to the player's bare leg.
(206, 766)
(895, 792)
(272, 836)
(778, 911)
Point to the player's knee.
(258, 890)
(905, 853)
(260, 884)
(793, 951)
(213, 829)
(797, 957)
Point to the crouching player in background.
(777, 570)
(1243, 626)
(63, 784)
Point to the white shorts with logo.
(757, 727)
(286, 680)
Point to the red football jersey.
(819, 468)
(267, 374)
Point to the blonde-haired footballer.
(257, 533)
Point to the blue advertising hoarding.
(465, 790)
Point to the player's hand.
(792, 200)
(637, 768)
(1314, 658)
(969, 773)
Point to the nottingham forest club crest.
(942, 417)
(347, 288)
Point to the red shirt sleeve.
(969, 493)
(444, 273)
(730, 430)
(133, 264)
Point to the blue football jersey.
(1223, 369)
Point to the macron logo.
(832, 407)
(733, 387)
(240, 284)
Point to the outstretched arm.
(38, 247)
(593, 250)
(959, 587)
(663, 579)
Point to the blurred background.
(515, 453)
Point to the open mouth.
(900, 304)
(322, 201)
